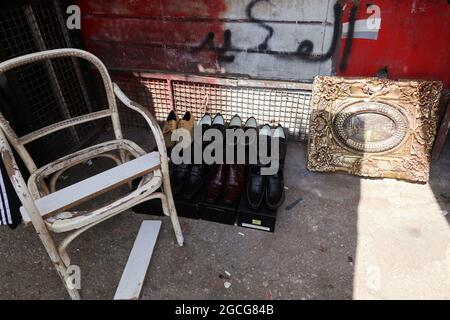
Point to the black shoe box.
(185, 208)
(218, 212)
(262, 219)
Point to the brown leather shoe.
(169, 127)
(187, 122)
(215, 182)
(234, 183)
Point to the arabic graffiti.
(263, 45)
(304, 50)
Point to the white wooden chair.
(49, 210)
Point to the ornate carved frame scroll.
(373, 127)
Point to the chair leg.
(170, 210)
(57, 261)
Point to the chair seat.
(72, 220)
(54, 206)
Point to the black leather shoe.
(195, 182)
(275, 190)
(179, 177)
(256, 187)
(251, 143)
(205, 123)
(218, 122)
(279, 134)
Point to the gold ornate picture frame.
(373, 127)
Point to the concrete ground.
(349, 238)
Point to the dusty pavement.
(348, 238)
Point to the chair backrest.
(19, 142)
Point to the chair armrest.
(18, 181)
(145, 113)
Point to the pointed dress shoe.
(275, 190)
(194, 182)
(218, 123)
(256, 187)
(235, 179)
(179, 177)
(187, 123)
(169, 127)
(251, 143)
(275, 183)
(215, 182)
(205, 123)
(234, 183)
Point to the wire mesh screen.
(272, 102)
(152, 93)
(272, 106)
(46, 92)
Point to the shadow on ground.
(347, 238)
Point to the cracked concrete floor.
(349, 238)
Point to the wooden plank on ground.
(133, 276)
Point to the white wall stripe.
(364, 29)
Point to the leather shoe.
(187, 123)
(275, 183)
(234, 184)
(256, 187)
(279, 134)
(215, 182)
(275, 190)
(195, 182)
(179, 176)
(169, 127)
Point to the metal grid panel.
(272, 102)
(273, 106)
(16, 38)
(151, 93)
(51, 91)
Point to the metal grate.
(49, 91)
(273, 102)
(152, 93)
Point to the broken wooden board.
(133, 276)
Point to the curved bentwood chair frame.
(49, 209)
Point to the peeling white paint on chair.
(37, 188)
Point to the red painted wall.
(413, 42)
(150, 34)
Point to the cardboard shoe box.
(262, 219)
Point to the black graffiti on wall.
(304, 50)
(248, 11)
